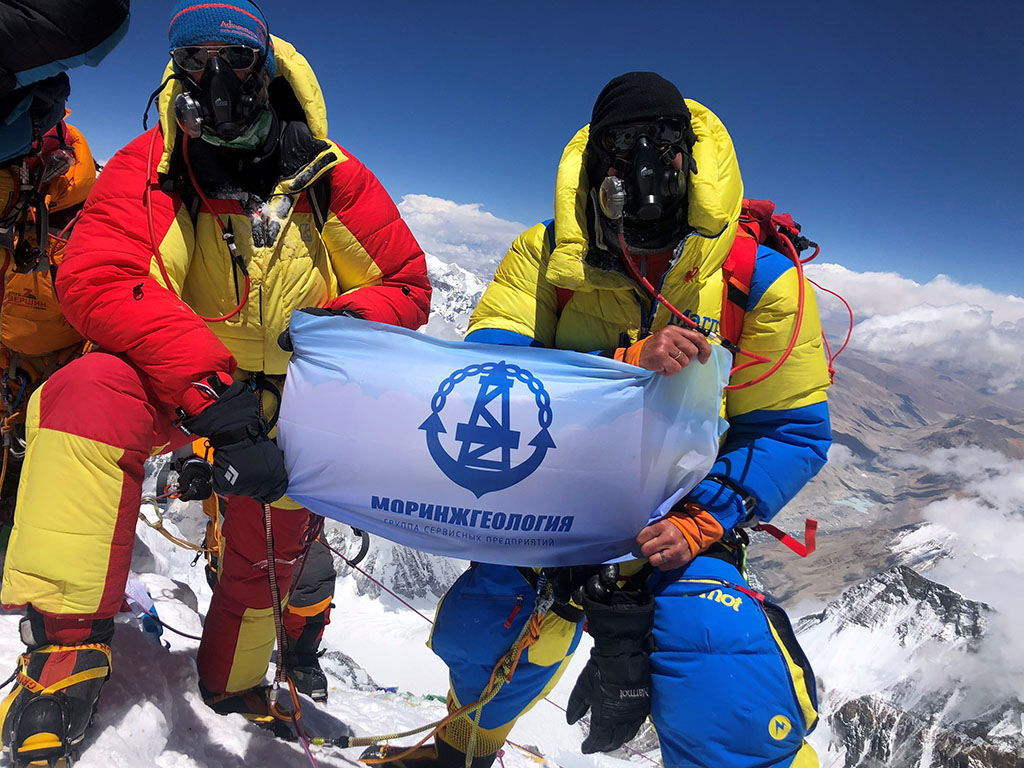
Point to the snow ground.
(150, 712)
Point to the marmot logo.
(718, 596)
(779, 727)
(634, 693)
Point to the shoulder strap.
(320, 200)
(758, 225)
(737, 272)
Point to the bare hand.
(673, 348)
(664, 545)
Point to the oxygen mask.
(222, 108)
(643, 189)
(646, 183)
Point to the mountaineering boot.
(47, 714)
(253, 704)
(304, 670)
(450, 757)
(439, 754)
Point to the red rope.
(379, 584)
(154, 244)
(849, 329)
(756, 359)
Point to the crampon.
(51, 707)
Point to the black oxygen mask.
(654, 181)
(645, 187)
(220, 104)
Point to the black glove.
(195, 478)
(246, 462)
(616, 683)
(284, 340)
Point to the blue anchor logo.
(486, 433)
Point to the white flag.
(499, 454)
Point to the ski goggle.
(620, 139)
(193, 58)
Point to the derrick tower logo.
(487, 439)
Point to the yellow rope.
(3, 471)
(500, 675)
(159, 527)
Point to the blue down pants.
(730, 686)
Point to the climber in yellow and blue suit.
(728, 685)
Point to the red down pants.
(91, 427)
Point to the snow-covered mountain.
(456, 293)
(895, 656)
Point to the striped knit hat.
(237, 22)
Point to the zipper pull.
(515, 612)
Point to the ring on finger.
(677, 355)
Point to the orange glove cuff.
(631, 354)
(698, 526)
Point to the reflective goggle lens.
(193, 58)
(662, 133)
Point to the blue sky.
(892, 131)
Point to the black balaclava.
(636, 97)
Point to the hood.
(714, 193)
(291, 65)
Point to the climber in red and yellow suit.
(313, 228)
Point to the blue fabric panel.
(16, 135)
(772, 455)
(501, 336)
(719, 680)
(724, 504)
(769, 266)
(470, 636)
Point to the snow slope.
(377, 662)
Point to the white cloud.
(459, 233)
(841, 456)
(982, 531)
(940, 324)
(887, 293)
